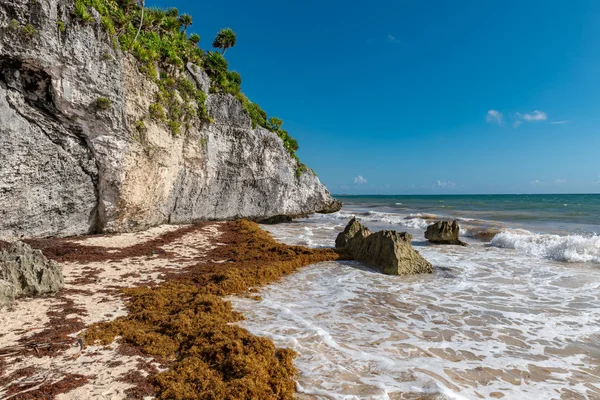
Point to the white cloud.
(495, 117)
(536, 182)
(517, 124)
(392, 39)
(537, 115)
(559, 122)
(560, 181)
(444, 184)
(360, 180)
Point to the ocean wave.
(572, 248)
(376, 216)
(394, 219)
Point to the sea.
(514, 315)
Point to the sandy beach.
(41, 348)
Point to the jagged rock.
(444, 232)
(389, 251)
(69, 168)
(333, 206)
(26, 272)
(354, 228)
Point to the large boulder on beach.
(444, 232)
(26, 272)
(389, 252)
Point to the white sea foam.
(394, 219)
(492, 325)
(572, 248)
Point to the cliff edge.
(80, 153)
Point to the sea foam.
(571, 248)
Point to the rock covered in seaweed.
(389, 252)
(26, 272)
(444, 232)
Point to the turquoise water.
(575, 213)
(513, 315)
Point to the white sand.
(28, 316)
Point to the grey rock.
(8, 293)
(200, 76)
(26, 272)
(389, 252)
(69, 168)
(444, 232)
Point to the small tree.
(186, 21)
(225, 39)
(275, 123)
(195, 38)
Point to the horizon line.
(464, 194)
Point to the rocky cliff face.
(69, 167)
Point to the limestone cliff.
(69, 166)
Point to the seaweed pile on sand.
(186, 323)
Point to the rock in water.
(26, 272)
(444, 232)
(389, 251)
(352, 229)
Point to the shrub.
(234, 77)
(108, 25)
(81, 12)
(172, 12)
(194, 38)
(301, 169)
(103, 103)
(215, 64)
(13, 25)
(61, 26)
(140, 126)
(275, 123)
(29, 31)
(157, 112)
(175, 127)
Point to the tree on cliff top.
(225, 39)
(186, 21)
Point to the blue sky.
(402, 97)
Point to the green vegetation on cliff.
(159, 40)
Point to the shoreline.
(133, 318)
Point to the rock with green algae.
(353, 229)
(444, 232)
(26, 272)
(390, 252)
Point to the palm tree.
(186, 21)
(225, 39)
(141, 23)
